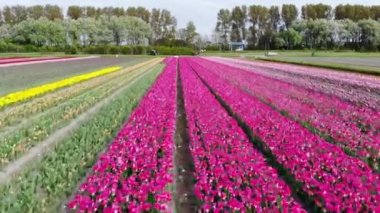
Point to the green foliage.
(290, 38)
(289, 14)
(356, 12)
(126, 50)
(36, 12)
(327, 34)
(223, 24)
(3, 46)
(131, 30)
(238, 23)
(15, 14)
(71, 50)
(274, 17)
(53, 12)
(139, 12)
(191, 32)
(30, 48)
(316, 11)
(137, 50)
(114, 50)
(96, 50)
(174, 50)
(317, 28)
(41, 32)
(140, 50)
(75, 12)
(163, 25)
(10, 47)
(370, 34)
(43, 26)
(5, 32)
(213, 48)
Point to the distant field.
(292, 53)
(368, 65)
(364, 61)
(20, 77)
(349, 61)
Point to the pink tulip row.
(329, 115)
(230, 174)
(134, 173)
(336, 181)
(361, 89)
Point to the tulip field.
(256, 142)
(191, 134)
(52, 133)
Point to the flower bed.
(352, 127)
(134, 173)
(337, 182)
(230, 174)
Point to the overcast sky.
(202, 12)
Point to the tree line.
(47, 26)
(313, 26)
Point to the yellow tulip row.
(39, 90)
